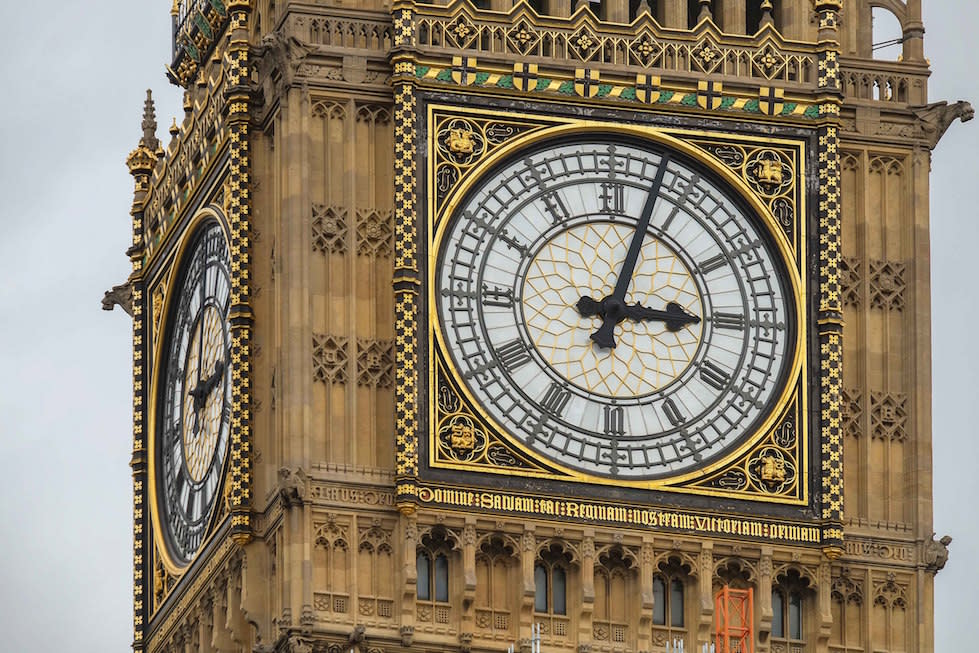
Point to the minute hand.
(632, 257)
(604, 335)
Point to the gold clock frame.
(168, 279)
(790, 411)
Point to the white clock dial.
(632, 369)
(194, 420)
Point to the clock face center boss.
(614, 306)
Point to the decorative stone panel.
(329, 358)
(375, 363)
(329, 229)
(374, 233)
(887, 285)
(890, 594)
(888, 415)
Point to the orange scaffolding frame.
(734, 615)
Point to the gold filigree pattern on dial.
(585, 259)
(205, 366)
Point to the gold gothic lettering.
(621, 515)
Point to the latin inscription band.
(625, 515)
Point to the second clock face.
(196, 396)
(612, 306)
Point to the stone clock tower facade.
(603, 324)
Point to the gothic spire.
(149, 139)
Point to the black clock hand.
(613, 307)
(200, 352)
(204, 388)
(675, 317)
(215, 377)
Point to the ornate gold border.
(238, 206)
(186, 239)
(406, 279)
(830, 317)
(794, 258)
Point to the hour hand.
(674, 316)
(204, 388)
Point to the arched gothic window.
(670, 581)
(667, 606)
(788, 607)
(433, 576)
(550, 589)
(433, 565)
(615, 587)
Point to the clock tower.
(600, 324)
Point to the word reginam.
(649, 518)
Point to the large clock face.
(614, 307)
(192, 436)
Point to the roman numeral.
(554, 205)
(513, 355)
(713, 375)
(689, 190)
(728, 321)
(496, 296)
(713, 263)
(556, 399)
(614, 421)
(613, 198)
(512, 242)
(673, 413)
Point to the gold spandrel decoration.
(461, 437)
(461, 142)
(772, 468)
(159, 295)
(771, 172)
(163, 582)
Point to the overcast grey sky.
(74, 75)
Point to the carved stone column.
(706, 575)
(234, 619)
(469, 578)
(528, 558)
(733, 16)
(825, 607)
(558, 8)
(914, 33)
(643, 641)
(585, 634)
(764, 599)
(617, 11)
(675, 14)
(220, 636)
(409, 576)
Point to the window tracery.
(433, 568)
